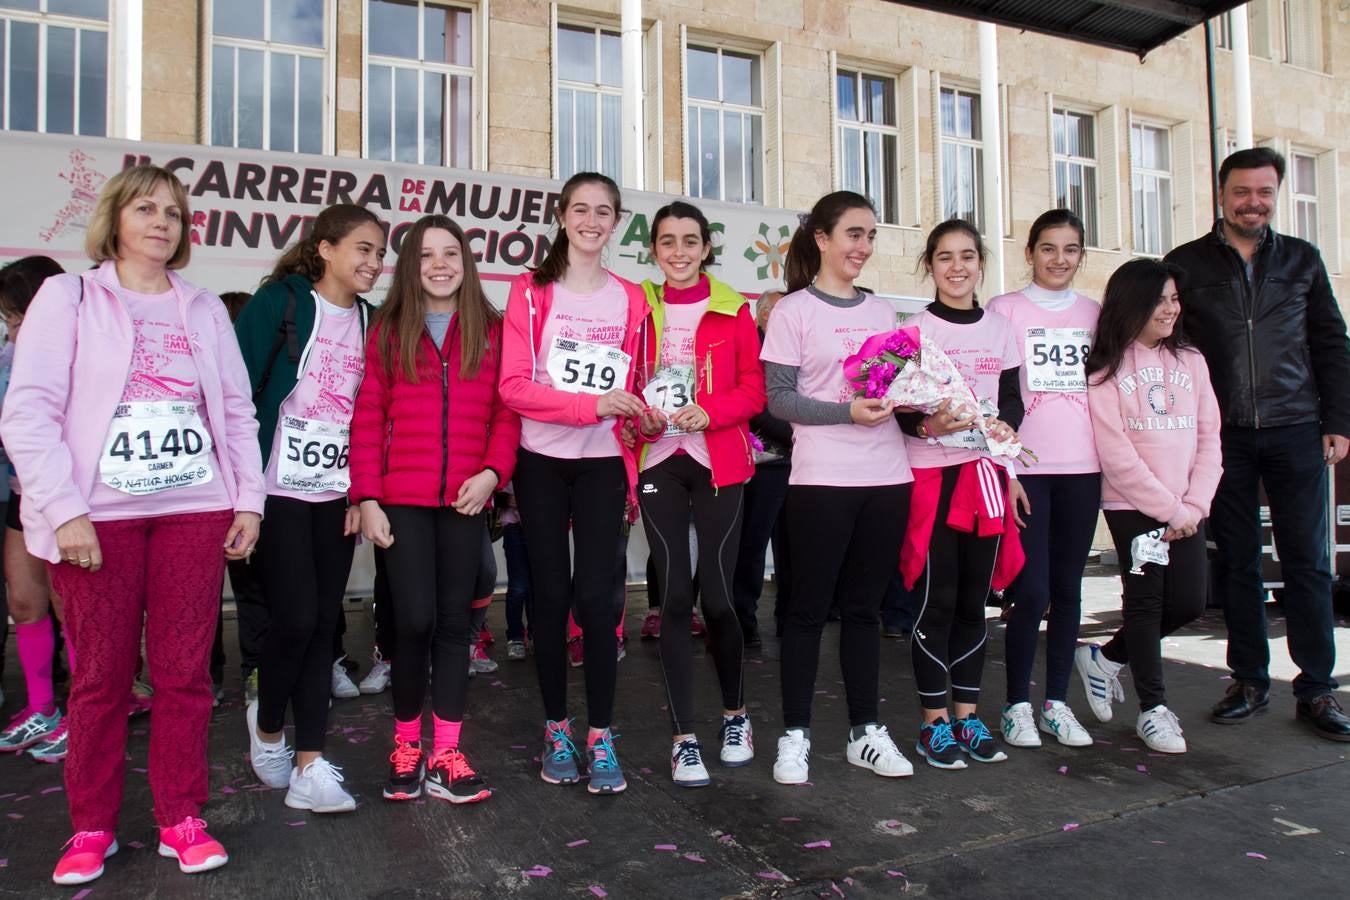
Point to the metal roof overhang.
(1136, 26)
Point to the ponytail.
(554, 266)
(803, 256)
(331, 225)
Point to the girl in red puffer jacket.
(431, 440)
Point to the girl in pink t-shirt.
(701, 376)
(959, 518)
(569, 340)
(306, 548)
(848, 495)
(1156, 426)
(1053, 327)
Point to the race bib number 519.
(581, 367)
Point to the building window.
(725, 139)
(54, 66)
(962, 157)
(269, 74)
(1151, 178)
(1303, 187)
(868, 138)
(419, 83)
(590, 101)
(1075, 152)
(1222, 30)
(1302, 35)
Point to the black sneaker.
(407, 768)
(937, 745)
(450, 777)
(974, 738)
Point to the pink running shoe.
(696, 626)
(195, 850)
(84, 856)
(651, 625)
(576, 655)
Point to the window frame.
(475, 72)
(1313, 14)
(1139, 170)
(690, 104)
(1299, 201)
(1091, 223)
(266, 46)
(893, 174)
(45, 21)
(596, 27)
(974, 143)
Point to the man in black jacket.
(1259, 306)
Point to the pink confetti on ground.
(4, 863)
(135, 845)
(1100, 741)
(670, 847)
(790, 819)
(24, 797)
(1142, 770)
(834, 887)
(645, 771)
(1129, 749)
(894, 874)
(519, 747)
(16, 816)
(1157, 842)
(537, 872)
(498, 684)
(1070, 826)
(1225, 677)
(52, 790)
(228, 790)
(770, 876)
(1256, 856)
(725, 839)
(7, 796)
(694, 857)
(580, 843)
(848, 881)
(892, 823)
(299, 824)
(816, 845)
(141, 771)
(1158, 755)
(598, 891)
(807, 784)
(82, 894)
(1064, 770)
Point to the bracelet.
(923, 430)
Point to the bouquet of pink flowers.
(910, 371)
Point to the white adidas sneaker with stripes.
(875, 750)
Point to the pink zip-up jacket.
(1156, 426)
(527, 309)
(69, 373)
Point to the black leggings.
(950, 633)
(589, 494)
(1156, 603)
(304, 562)
(432, 566)
(846, 542)
(666, 492)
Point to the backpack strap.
(286, 334)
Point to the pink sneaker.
(575, 653)
(195, 850)
(651, 625)
(696, 626)
(84, 856)
(485, 637)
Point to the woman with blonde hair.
(130, 424)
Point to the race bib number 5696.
(155, 446)
(581, 367)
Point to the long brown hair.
(331, 225)
(803, 256)
(401, 319)
(554, 266)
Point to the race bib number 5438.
(1055, 359)
(155, 446)
(581, 367)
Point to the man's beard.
(1249, 234)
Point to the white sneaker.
(1059, 720)
(738, 741)
(876, 751)
(377, 680)
(1160, 730)
(515, 650)
(343, 686)
(794, 757)
(1100, 681)
(271, 762)
(1019, 726)
(318, 788)
(686, 764)
(479, 662)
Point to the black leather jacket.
(1276, 346)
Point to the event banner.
(248, 205)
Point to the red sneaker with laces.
(407, 769)
(696, 626)
(651, 625)
(576, 654)
(84, 856)
(195, 850)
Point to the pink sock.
(447, 734)
(410, 731)
(36, 644)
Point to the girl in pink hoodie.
(569, 340)
(1156, 426)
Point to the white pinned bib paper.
(670, 390)
(1055, 359)
(581, 367)
(155, 446)
(972, 438)
(1148, 547)
(312, 458)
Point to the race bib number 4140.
(155, 446)
(581, 367)
(1055, 359)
